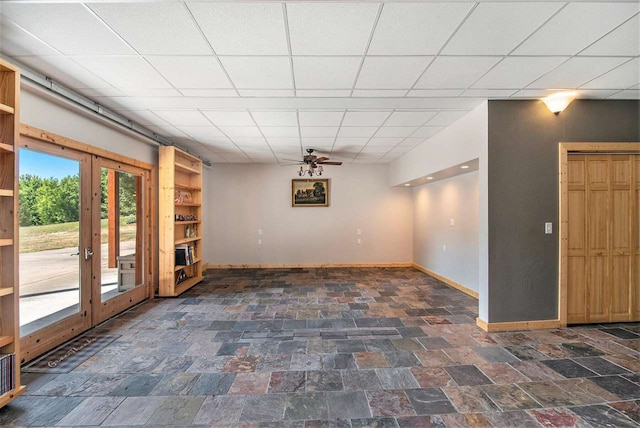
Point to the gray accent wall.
(523, 195)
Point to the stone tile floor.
(336, 348)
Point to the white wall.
(434, 205)
(240, 199)
(47, 113)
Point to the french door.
(84, 241)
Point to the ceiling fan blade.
(330, 163)
(289, 164)
(293, 160)
(322, 159)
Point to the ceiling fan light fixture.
(313, 164)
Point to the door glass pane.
(49, 239)
(121, 234)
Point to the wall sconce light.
(558, 102)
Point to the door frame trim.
(564, 149)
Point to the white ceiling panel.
(444, 118)
(279, 131)
(242, 28)
(488, 93)
(623, 77)
(425, 132)
(282, 143)
(517, 72)
(320, 118)
(497, 28)
(319, 143)
(224, 93)
(330, 28)
(275, 118)
(416, 28)
(318, 131)
(365, 118)
(581, 93)
(413, 141)
(191, 71)
(455, 72)
(253, 142)
(409, 118)
(14, 41)
(357, 131)
(325, 72)
(385, 141)
(434, 93)
(349, 141)
(183, 117)
(395, 131)
(258, 93)
(379, 93)
(391, 72)
(151, 28)
(327, 93)
(575, 27)
(166, 131)
(369, 149)
(70, 28)
(274, 72)
(205, 133)
(241, 131)
(150, 92)
(124, 71)
(624, 40)
(92, 93)
(576, 72)
(229, 118)
(65, 71)
(629, 94)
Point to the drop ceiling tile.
(367, 158)
(153, 28)
(275, 118)
(320, 118)
(229, 118)
(166, 131)
(584, 23)
(409, 118)
(242, 28)
(145, 117)
(623, 40)
(325, 72)
(65, 71)
(357, 131)
(253, 151)
(253, 142)
(218, 93)
(379, 93)
(68, 27)
(190, 72)
(318, 131)
(416, 28)
(280, 142)
(330, 28)
(517, 72)
(275, 72)
(369, 149)
(15, 42)
(150, 92)
(497, 28)
(350, 141)
(576, 72)
(318, 142)
(413, 141)
(434, 93)
(623, 77)
(590, 94)
(208, 133)
(426, 132)
(365, 118)
(444, 118)
(385, 141)
(326, 93)
(629, 94)
(241, 131)
(395, 131)
(268, 93)
(280, 131)
(391, 72)
(488, 93)
(533, 93)
(455, 72)
(124, 71)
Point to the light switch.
(359, 241)
(548, 228)
(358, 232)
(259, 232)
(259, 241)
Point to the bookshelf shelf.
(180, 177)
(5, 109)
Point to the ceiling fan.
(313, 164)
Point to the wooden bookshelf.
(9, 284)
(180, 205)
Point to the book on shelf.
(7, 373)
(184, 255)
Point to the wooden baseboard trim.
(449, 282)
(306, 265)
(517, 325)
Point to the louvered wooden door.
(604, 235)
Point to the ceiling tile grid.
(363, 82)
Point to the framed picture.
(310, 192)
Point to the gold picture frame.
(311, 192)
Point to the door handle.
(88, 253)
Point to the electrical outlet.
(444, 248)
(359, 241)
(358, 232)
(259, 241)
(452, 222)
(548, 228)
(259, 232)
